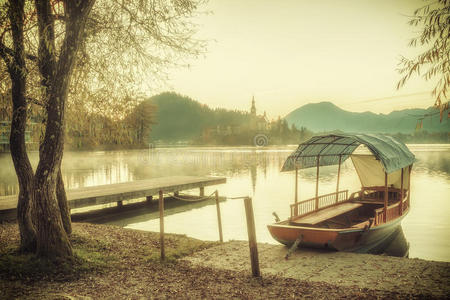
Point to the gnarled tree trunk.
(52, 239)
(23, 168)
(17, 71)
(64, 207)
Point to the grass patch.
(97, 249)
(176, 246)
(90, 255)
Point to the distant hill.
(325, 116)
(179, 118)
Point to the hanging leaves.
(434, 18)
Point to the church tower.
(253, 109)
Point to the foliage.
(126, 49)
(89, 130)
(434, 18)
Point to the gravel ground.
(132, 275)
(365, 271)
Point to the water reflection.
(254, 172)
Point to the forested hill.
(180, 118)
(326, 116)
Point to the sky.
(287, 53)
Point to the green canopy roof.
(392, 153)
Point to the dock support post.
(202, 191)
(296, 192)
(161, 224)
(149, 199)
(338, 177)
(317, 183)
(252, 237)
(386, 196)
(219, 218)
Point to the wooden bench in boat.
(325, 214)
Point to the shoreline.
(208, 270)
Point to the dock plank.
(108, 193)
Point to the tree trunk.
(22, 165)
(64, 207)
(52, 239)
(23, 168)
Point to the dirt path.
(407, 276)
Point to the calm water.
(254, 172)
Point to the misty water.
(254, 172)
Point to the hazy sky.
(291, 52)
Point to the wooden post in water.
(338, 177)
(296, 192)
(386, 196)
(252, 236)
(202, 191)
(219, 218)
(317, 183)
(400, 205)
(161, 224)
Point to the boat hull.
(372, 240)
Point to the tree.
(70, 62)
(14, 60)
(435, 19)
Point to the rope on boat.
(192, 198)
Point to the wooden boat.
(361, 221)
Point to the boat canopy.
(335, 148)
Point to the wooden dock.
(109, 193)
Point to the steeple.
(253, 109)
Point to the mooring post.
(202, 191)
(296, 192)
(409, 186)
(161, 224)
(219, 218)
(317, 183)
(400, 205)
(338, 177)
(386, 197)
(252, 236)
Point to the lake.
(253, 172)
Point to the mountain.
(325, 116)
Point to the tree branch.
(28, 56)
(5, 56)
